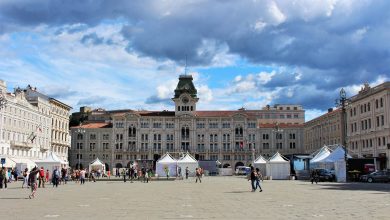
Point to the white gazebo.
(278, 167)
(23, 163)
(97, 165)
(261, 163)
(187, 161)
(51, 162)
(166, 162)
(323, 153)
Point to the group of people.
(7, 176)
(255, 177)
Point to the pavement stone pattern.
(214, 198)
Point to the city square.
(227, 92)
(214, 198)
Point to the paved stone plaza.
(214, 198)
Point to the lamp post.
(79, 131)
(277, 130)
(342, 102)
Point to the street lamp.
(3, 103)
(343, 102)
(79, 131)
(277, 130)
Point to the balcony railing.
(22, 144)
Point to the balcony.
(22, 144)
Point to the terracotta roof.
(280, 125)
(94, 125)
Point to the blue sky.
(129, 54)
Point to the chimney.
(330, 110)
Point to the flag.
(241, 144)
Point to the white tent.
(278, 167)
(9, 163)
(50, 163)
(97, 165)
(23, 163)
(166, 162)
(187, 161)
(336, 155)
(321, 154)
(261, 163)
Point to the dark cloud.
(332, 46)
(92, 39)
(155, 99)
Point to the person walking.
(258, 178)
(55, 177)
(198, 175)
(1, 178)
(187, 172)
(32, 179)
(16, 174)
(25, 178)
(252, 178)
(124, 175)
(82, 176)
(47, 176)
(131, 174)
(41, 178)
(5, 172)
(314, 176)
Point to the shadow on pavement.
(13, 198)
(381, 187)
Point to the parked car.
(325, 175)
(378, 176)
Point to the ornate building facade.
(231, 137)
(27, 124)
(368, 124)
(323, 130)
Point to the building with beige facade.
(323, 130)
(59, 114)
(368, 121)
(25, 127)
(232, 137)
(33, 125)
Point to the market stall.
(278, 167)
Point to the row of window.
(366, 123)
(367, 143)
(366, 107)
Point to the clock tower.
(185, 96)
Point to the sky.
(120, 54)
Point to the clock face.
(185, 100)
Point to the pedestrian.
(5, 173)
(258, 177)
(187, 172)
(252, 178)
(47, 176)
(131, 174)
(147, 177)
(41, 178)
(1, 178)
(82, 176)
(124, 175)
(16, 174)
(314, 176)
(32, 180)
(198, 175)
(179, 172)
(25, 178)
(55, 177)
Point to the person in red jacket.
(41, 178)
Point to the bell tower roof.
(185, 85)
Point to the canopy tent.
(278, 167)
(261, 163)
(321, 154)
(51, 162)
(9, 163)
(23, 163)
(336, 155)
(166, 162)
(97, 165)
(187, 161)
